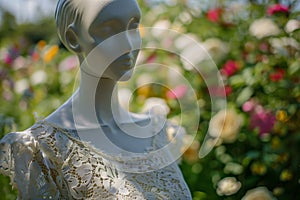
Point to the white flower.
(226, 125)
(38, 77)
(156, 106)
(228, 186)
(292, 25)
(263, 27)
(279, 44)
(259, 193)
(160, 27)
(216, 48)
(21, 86)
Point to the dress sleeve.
(23, 162)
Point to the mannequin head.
(84, 24)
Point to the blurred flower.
(249, 106)
(35, 56)
(214, 15)
(292, 25)
(41, 44)
(281, 45)
(21, 86)
(263, 27)
(233, 168)
(156, 106)
(286, 175)
(262, 119)
(8, 59)
(190, 149)
(230, 68)
(225, 124)
(281, 115)
(228, 186)
(159, 29)
(177, 92)
(19, 62)
(68, 63)
(151, 58)
(258, 168)
(38, 77)
(216, 48)
(219, 91)
(259, 193)
(50, 53)
(277, 8)
(277, 76)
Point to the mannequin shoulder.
(13, 138)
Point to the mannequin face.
(100, 25)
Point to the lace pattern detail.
(46, 162)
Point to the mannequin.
(97, 92)
(91, 148)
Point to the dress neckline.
(125, 161)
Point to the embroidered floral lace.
(47, 162)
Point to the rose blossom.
(228, 186)
(277, 8)
(277, 76)
(225, 124)
(213, 15)
(261, 193)
(230, 68)
(263, 27)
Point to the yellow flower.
(41, 44)
(259, 193)
(225, 124)
(286, 175)
(282, 116)
(50, 53)
(258, 168)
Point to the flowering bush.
(256, 48)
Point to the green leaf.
(244, 95)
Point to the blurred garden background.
(254, 43)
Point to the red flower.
(277, 8)
(214, 15)
(230, 68)
(219, 91)
(277, 76)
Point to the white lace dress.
(47, 162)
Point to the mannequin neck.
(97, 97)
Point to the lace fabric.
(47, 162)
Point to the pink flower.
(277, 8)
(262, 119)
(151, 58)
(248, 106)
(230, 68)
(177, 93)
(214, 15)
(277, 76)
(8, 59)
